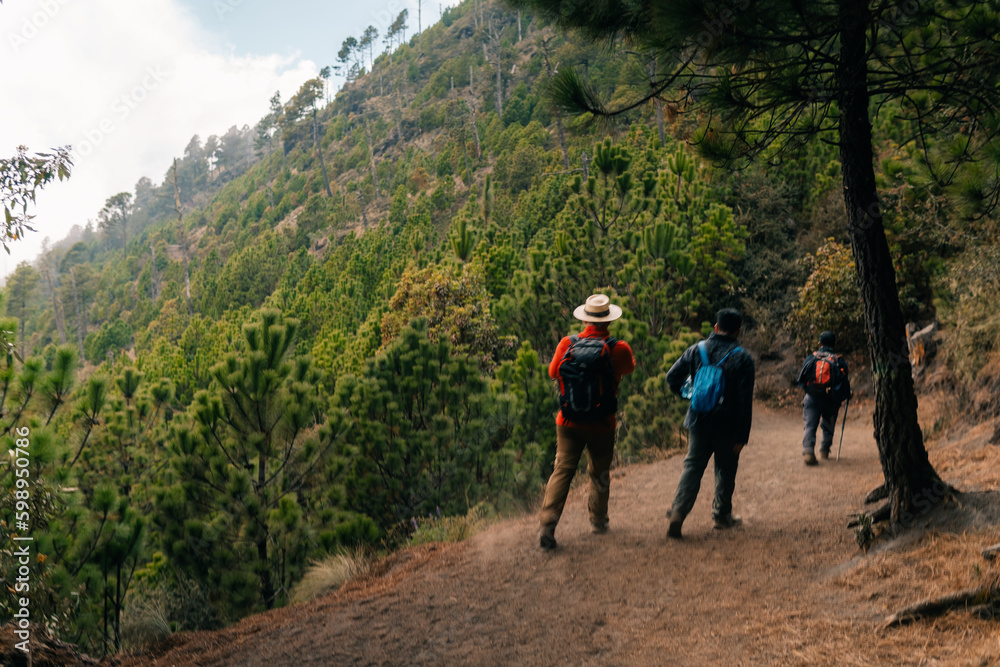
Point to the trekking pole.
(842, 427)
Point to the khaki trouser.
(570, 443)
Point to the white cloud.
(127, 84)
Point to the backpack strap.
(735, 349)
(703, 349)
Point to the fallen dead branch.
(991, 553)
(970, 599)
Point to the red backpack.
(827, 377)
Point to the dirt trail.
(766, 593)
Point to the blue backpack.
(709, 382)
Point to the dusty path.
(766, 593)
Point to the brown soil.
(790, 587)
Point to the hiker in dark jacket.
(722, 432)
(826, 387)
(594, 432)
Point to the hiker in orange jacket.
(588, 367)
(825, 381)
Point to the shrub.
(326, 576)
(453, 528)
(830, 301)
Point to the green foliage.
(967, 304)
(425, 431)
(112, 336)
(455, 305)
(251, 274)
(235, 511)
(20, 178)
(463, 239)
(829, 300)
(652, 417)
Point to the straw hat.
(598, 309)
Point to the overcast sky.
(127, 83)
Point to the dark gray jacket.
(732, 419)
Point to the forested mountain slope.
(318, 331)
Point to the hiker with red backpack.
(825, 381)
(718, 376)
(588, 368)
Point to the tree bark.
(399, 117)
(56, 308)
(319, 152)
(499, 83)
(472, 114)
(80, 331)
(266, 585)
(371, 157)
(559, 123)
(156, 274)
(182, 241)
(364, 216)
(911, 481)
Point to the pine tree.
(240, 466)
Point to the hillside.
(323, 333)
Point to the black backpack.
(587, 391)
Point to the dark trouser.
(701, 447)
(817, 412)
(570, 443)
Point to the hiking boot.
(674, 530)
(727, 522)
(547, 540)
(824, 454)
(810, 459)
(599, 528)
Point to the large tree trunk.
(266, 584)
(472, 116)
(183, 242)
(156, 273)
(559, 123)
(319, 152)
(56, 308)
(371, 157)
(912, 483)
(81, 333)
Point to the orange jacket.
(621, 360)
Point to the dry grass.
(145, 624)
(329, 574)
(453, 528)
(936, 564)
